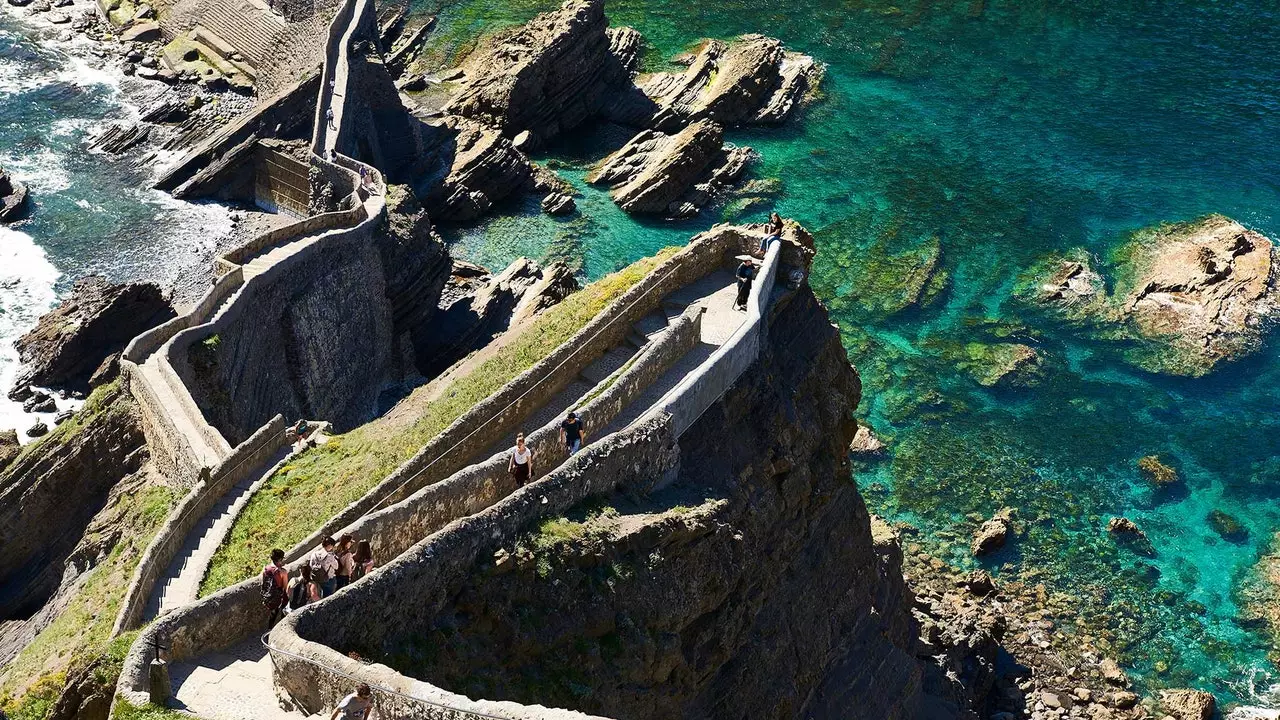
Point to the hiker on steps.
(363, 560)
(572, 434)
(302, 589)
(346, 561)
(521, 463)
(745, 275)
(356, 706)
(328, 115)
(324, 567)
(275, 587)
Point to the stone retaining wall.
(498, 415)
(393, 530)
(247, 457)
(366, 613)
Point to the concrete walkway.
(181, 582)
(231, 685)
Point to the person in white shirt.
(521, 464)
(356, 706)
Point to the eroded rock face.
(13, 197)
(546, 76)
(993, 534)
(484, 168)
(94, 321)
(1188, 704)
(9, 447)
(1193, 294)
(672, 175)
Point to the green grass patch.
(313, 487)
(125, 710)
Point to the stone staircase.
(248, 26)
(205, 453)
(181, 582)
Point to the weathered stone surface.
(865, 442)
(145, 31)
(558, 203)
(1188, 704)
(1190, 294)
(484, 168)
(673, 175)
(546, 76)
(13, 197)
(993, 534)
(9, 447)
(95, 320)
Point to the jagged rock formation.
(672, 174)
(484, 168)
(9, 447)
(752, 587)
(545, 77)
(1192, 294)
(477, 306)
(95, 320)
(417, 266)
(13, 197)
(49, 494)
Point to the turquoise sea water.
(1000, 131)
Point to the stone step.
(606, 364)
(651, 324)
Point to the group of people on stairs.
(328, 569)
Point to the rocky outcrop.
(993, 534)
(546, 76)
(484, 168)
(1191, 294)
(476, 306)
(9, 447)
(13, 198)
(1258, 596)
(751, 80)
(95, 320)
(1157, 472)
(416, 263)
(865, 443)
(1127, 533)
(672, 175)
(50, 492)
(1188, 704)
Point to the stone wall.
(281, 182)
(365, 615)
(499, 414)
(244, 460)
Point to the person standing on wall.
(346, 562)
(324, 567)
(356, 706)
(521, 463)
(572, 433)
(275, 587)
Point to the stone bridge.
(640, 374)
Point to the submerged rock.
(993, 534)
(1003, 364)
(1127, 532)
(1191, 294)
(1227, 526)
(95, 320)
(1157, 472)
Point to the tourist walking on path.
(363, 560)
(303, 589)
(572, 434)
(324, 567)
(356, 706)
(328, 115)
(275, 587)
(773, 233)
(346, 561)
(745, 275)
(521, 463)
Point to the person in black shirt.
(746, 273)
(572, 434)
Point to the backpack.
(298, 597)
(270, 589)
(319, 575)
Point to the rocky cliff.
(751, 587)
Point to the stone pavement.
(231, 685)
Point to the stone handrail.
(316, 675)
(495, 416)
(700, 389)
(351, 213)
(160, 552)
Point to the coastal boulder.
(96, 319)
(993, 534)
(13, 197)
(1188, 704)
(9, 447)
(865, 443)
(672, 175)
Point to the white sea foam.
(26, 291)
(43, 170)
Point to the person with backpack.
(303, 589)
(275, 587)
(363, 560)
(346, 562)
(324, 567)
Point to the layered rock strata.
(94, 321)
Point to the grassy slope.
(319, 483)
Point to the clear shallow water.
(89, 213)
(1002, 131)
